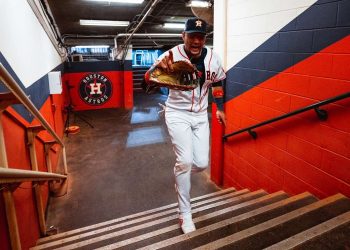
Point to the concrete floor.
(121, 166)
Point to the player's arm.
(218, 97)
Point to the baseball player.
(186, 111)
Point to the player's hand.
(167, 62)
(220, 115)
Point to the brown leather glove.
(183, 77)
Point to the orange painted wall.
(54, 111)
(18, 157)
(300, 153)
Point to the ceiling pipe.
(43, 13)
(84, 36)
(145, 35)
(149, 11)
(137, 35)
(128, 37)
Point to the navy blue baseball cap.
(193, 25)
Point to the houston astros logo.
(198, 23)
(95, 89)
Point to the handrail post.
(47, 147)
(8, 196)
(64, 156)
(31, 134)
(321, 114)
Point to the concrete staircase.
(138, 75)
(227, 219)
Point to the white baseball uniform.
(187, 121)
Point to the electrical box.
(77, 58)
(55, 82)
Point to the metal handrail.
(322, 114)
(11, 175)
(11, 84)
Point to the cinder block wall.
(281, 56)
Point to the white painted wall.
(24, 43)
(249, 23)
(220, 31)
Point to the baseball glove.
(184, 76)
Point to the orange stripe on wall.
(299, 153)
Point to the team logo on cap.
(198, 23)
(95, 89)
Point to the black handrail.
(322, 115)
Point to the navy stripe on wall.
(38, 92)
(76, 67)
(324, 23)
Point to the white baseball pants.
(189, 134)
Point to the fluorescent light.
(103, 22)
(199, 4)
(91, 46)
(120, 1)
(174, 25)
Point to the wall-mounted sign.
(98, 85)
(95, 89)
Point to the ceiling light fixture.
(104, 23)
(91, 46)
(174, 25)
(199, 4)
(120, 1)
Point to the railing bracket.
(321, 114)
(52, 230)
(253, 134)
(10, 186)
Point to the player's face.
(194, 43)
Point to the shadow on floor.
(121, 166)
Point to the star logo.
(198, 23)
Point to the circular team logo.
(95, 89)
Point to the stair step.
(235, 223)
(269, 232)
(137, 85)
(206, 219)
(140, 69)
(139, 74)
(138, 232)
(331, 234)
(227, 219)
(137, 79)
(215, 195)
(154, 215)
(209, 214)
(173, 230)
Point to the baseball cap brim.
(195, 31)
